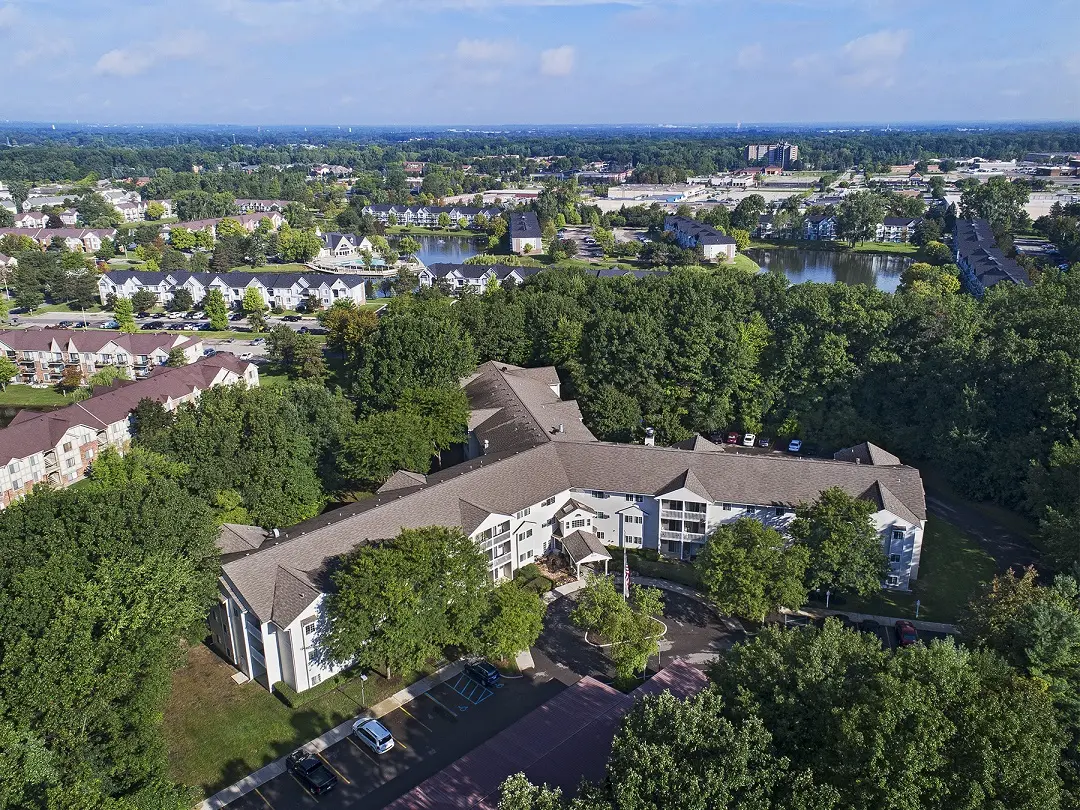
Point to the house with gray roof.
(536, 481)
(287, 290)
(475, 277)
(982, 263)
(526, 236)
(693, 234)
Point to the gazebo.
(584, 548)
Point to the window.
(599, 535)
(524, 512)
(312, 657)
(577, 524)
(598, 494)
(315, 679)
(672, 546)
(892, 580)
(16, 484)
(632, 538)
(504, 527)
(634, 498)
(74, 357)
(726, 507)
(779, 511)
(70, 463)
(308, 628)
(602, 515)
(67, 447)
(897, 534)
(894, 558)
(13, 467)
(549, 501)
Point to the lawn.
(953, 568)
(894, 248)
(293, 267)
(415, 230)
(217, 731)
(743, 262)
(66, 308)
(25, 396)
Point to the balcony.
(487, 545)
(500, 561)
(686, 537)
(675, 514)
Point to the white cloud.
(878, 47)
(1071, 64)
(558, 61)
(43, 48)
(750, 56)
(126, 62)
(8, 15)
(484, 50)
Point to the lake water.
(881, 271)
(450, 249)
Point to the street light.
(363, 697)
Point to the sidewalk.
(331, 737)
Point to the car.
(794, 446)
(291, 318)
(142, 315)
(764, 441)
(483, 672)
(258, 341)
(65, 324)
(748, 440)
(80, 325)
(373, 734)
(111, 325)
(236, 316)
(191, 316)
(209, 352)
(206, 327)
(303, 330)
(247, 356)
(906, 634)
(732, 438)
(153, 325)
(189, 326)
(310, 772)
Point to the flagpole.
(625, 576)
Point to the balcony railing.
(502, 560)
(675, 514)
(494, 541)
(690, 537)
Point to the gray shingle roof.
(698, 443)
(580, 545)
(234, 537)
(704, 234)
(866, 453)
(525, 225)
(974, 240)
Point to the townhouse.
(249, 222)
(536, 481)
(286, 290)
(131, 211)
(69, 216)
(42, 355)
(982, 263)
(87, 240)
(261, 206)
(693, 234)
(820, 227)
(476, 277)
(343, 245)
(428, 215)
(58, 447)
(526, 236)
(31, 219)
(897, 229)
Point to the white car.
(246, 356)
(374, 735)
(748, 440)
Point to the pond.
(450, 249)
(799, 265)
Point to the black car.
(65, 324)
(236, 316)
(291, 318)
(310, 771)
(303, 330)
(483, 672)
(153, 325)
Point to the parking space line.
(265, 801)
(441, 705)
(414, 717)
(363, 750)
(337, 773)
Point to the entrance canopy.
(583, 548)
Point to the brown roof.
(26, 436)
(866, 453)
(90, 341)
(581, 545)
(233, 537)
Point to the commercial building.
(661, 193)
(286, 290)
(58, 447)
(982, 263)
(525, 233)
(42, 355)
(693, 234)
(774, 154)
(428, 215)
(536, 481)
(476, 277)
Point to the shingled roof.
(866, 453)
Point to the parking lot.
(886, 632)
(430, 732)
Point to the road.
(430, 732)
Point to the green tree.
(8, 371)
(230, 227)
(444, 413)
(150, 421)
(409, 247)
(748, 570)
(125, 315)
(926, 280)
(936, 253)
(301, 356)
(742, 239)
(518, 793)
(384, 442)
(182, 300)
(254, 307)
(444, 220)
(846, 551)
(628, 626)
(155, 210)
(143, 300)
(400, 603)
(512, 622)
(181, 238)
(999, 201)
(858, 216)
(217, 310)
(106, 376)
(177, 357)
(612, 415)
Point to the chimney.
(650, 437)
(562, 429)
(277, 533)
(487, 444)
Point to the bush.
(527, 572)
(540, 584)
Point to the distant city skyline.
(594, 62)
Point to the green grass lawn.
(288, 267)
(953, 568)
(217, 731)
(414, 230)
(744, 262)
(25, 396)
(66, 308)
(894, 248)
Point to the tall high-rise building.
(775, 154)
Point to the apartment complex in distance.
(476, 277)
(693, 234)
(982, 263)
(536, 481)
(42, 355)
(58, 447)
(774, 154)
(428, 215)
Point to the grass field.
(413, 230)
(217, 731)
(892, 248)
(744, 262)
(25, 396)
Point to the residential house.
(286, 290)
(526, 235)
(897, 229)
(32, 219)
(35, 202)
(58, 447)
(42, 355)
(261, 206)
(69, 216)
(84, 239)
(693, 234)
(344, 246)
(982, 263)
(476, 277)
(249, 222)
(820, 227)
(534, 477)
(427, 216)
(766, 223)
(414, 167)
(131, 211)
(329, 170)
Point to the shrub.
(540, 584)
(528, 572)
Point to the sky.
(444, 62)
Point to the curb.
(329, 738)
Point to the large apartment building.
(287, 290)
(476, 277)
(693, 234)
(982, 263)
(535, 480)
(428, 215)
(775, 154)
(58, 447)
(87, 240)
(896, 229)
(42, 355)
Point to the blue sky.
(539, 61)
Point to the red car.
(906, 633)
(733, 438)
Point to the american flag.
(625, 576)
